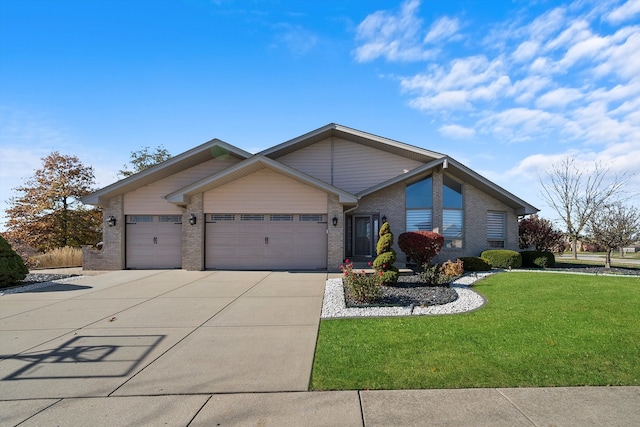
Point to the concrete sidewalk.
(225, 348)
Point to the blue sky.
(505, 87)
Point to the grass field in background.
(536, 330)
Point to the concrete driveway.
(132, 333)
(179, 348)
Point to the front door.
(362, 236)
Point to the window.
(176, 219)
(133, 219)
(311, 217)
(251, 217)
(495, 229)
(223, 217)
(418, 205)
(452, 213)
(281, 217)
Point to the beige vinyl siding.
(149, 199)
(314, 160)
(357, 167)
(265, 191)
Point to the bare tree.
(576, 194)
(614, 226)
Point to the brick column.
(193, 235)
(335, 235)
(112, 255)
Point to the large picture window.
(419, 205)
(452, 213)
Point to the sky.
(508, 88)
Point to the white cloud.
(625, 12)
(456, 132)
(442, 29)
(558, 98)
(526, 51)
(393, 36)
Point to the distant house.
(307, 203)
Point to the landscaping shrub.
(12, 268)
(383, 264)
(420, 246)
(475, 263)
(543, 259)
(362, 287)
(502, 258)
(435, 275)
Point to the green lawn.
(537, 329)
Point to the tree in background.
(576, 195)
(539, 233)
(614, 226)
(48, 213)
(143, 159)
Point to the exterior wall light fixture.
(335, 221)
(111, 221)
(192, 219)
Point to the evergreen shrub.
(475, 263)
(12, 268)
(502, 258)
(538, 259)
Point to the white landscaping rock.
(334, 305)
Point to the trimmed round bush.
(502, 258)
(12, 268)
(538, 259)
(475, 263)
(420, 246)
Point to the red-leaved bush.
(420, 246)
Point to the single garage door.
(154, 241)
(266, 241)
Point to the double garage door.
(266, 241)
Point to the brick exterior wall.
(193, 235)
(476, 205)
(111, 257)
(335, 235)
(389, 202)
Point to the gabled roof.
(364, 138)
(247, 167)
(457, 169)
(202, 153)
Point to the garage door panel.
(280, 241)
(153, 241)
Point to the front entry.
(362, 235)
